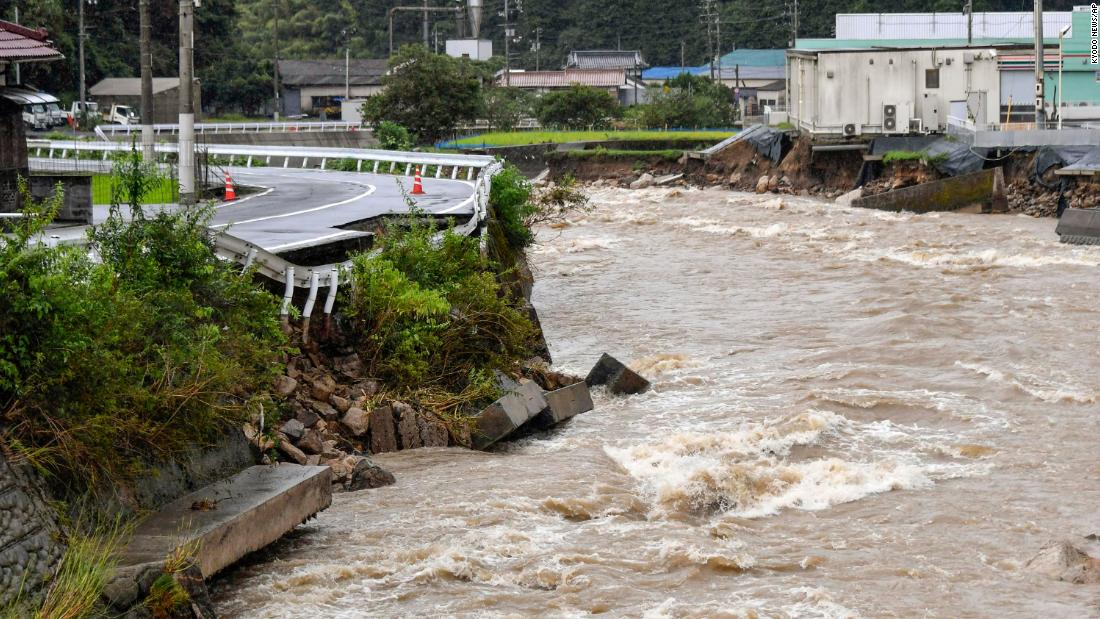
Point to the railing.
(478, 169)
(329, 276)
(243, 127)
(367, 160)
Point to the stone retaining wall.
(29, 545)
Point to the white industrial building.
(853, 92)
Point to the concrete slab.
(1079, 226)
(618, 378)
(564, 404)
(506, 415)
(981, 192)
(250, 510)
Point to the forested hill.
(235, 38)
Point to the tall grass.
(77, 585)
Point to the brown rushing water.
(855, 414)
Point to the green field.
(164, 191)
(523, 138)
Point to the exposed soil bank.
(830, 174)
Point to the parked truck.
(121, 115)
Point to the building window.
(1098, 76)
(932, 78)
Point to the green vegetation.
(506, 107)
(77, 584)
(166, 596)
(154, 349)
(523, 138)
(393, 136)
(107, 190)
(428, 94)
(689, 101)
(428, 311)
(897, 156)
(606, 153)
(579, 107)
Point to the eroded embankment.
(830, 174)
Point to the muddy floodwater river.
(854, 414)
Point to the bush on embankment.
(153, 349)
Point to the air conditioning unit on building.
(852, 130)
(916, 125)
(895, 118)
(889, 118)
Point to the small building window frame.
(932, 78)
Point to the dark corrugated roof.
(605, 59)
(331, 72)
(18, 43)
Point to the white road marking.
(309, 242)
(365, 194)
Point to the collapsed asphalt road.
(302, 208)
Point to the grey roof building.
(127, 91)
(605, 59)
(309, 86)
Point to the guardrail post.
(438, 171)
(305, 162)
(323, 162)
(454, 173)
(249, 164)
(469, 174)
(249, 258)
(311, 300)
(359, 165)
(288, 296)
(330, 301)
(376, 167)
(393, 164)
(408, 169)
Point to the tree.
(579, 107)
(506, 107)
(690, 101)
(429, 94)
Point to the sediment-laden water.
(855, 414)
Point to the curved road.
(300, 208)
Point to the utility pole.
(147, 150)
(427, 42)
(538, 46)
(794, 25)
(1040, 79)
(278, 100)
(80, 46)
(347, 73)
(969, 22)
(709, 15)
(18, 77)
(507, 46)
(187, 104)
(683, 57)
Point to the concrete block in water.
(506, 415)
(232, 518)
(618, 378)
(978, 192)
(564, 404)
(1079, 226)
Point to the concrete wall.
(77, 189)
(13, 155)
(29, 546)
(831, 89)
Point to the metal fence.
(107, 131)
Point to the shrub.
(510, 199)
(426, 310)
(393, 136)
(151, 350)
(578, 107)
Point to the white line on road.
(365, 194)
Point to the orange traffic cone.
(418, 185)
(230, 191)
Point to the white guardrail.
(243, 127)
(479, 169)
